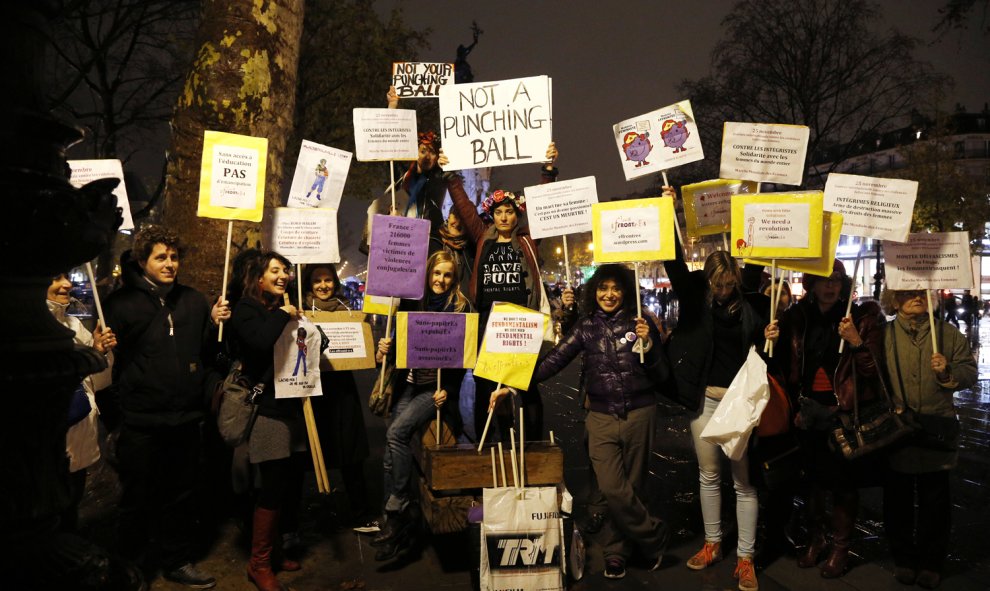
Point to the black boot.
(396, 524)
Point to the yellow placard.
(380, 305)
(633, 230)
(511, 345)
(777, 225)
(832, 227)
(708, 205)
(232, 177)
(436, 347)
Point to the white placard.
(421, 79)
(319, 177)
(346, 340)
(303, 236)
(297, 360)
(777, 225)
(633, 229)
(512, 332)
(86, 171)
(234, 176)
(872, 207)
(658, 140)
(764, 152)
(560, 208)
(929, 261)
(385, 134)
(496, 123)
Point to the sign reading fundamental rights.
(303, 236)
(658, 140)
(511, 345)
(872, 207)
(86, 171)
(764, 152)
(560, 208)
(708, 205)
(634, 230)
(496, 123)
(421, 79)
(385, 134)
(929, 261)
(232, 178)
(436, 340)
(397, 257)
(319, 177)
(777, 225)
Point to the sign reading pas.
(777, 225)
(430, 340)
(634, 230)
(232, 179)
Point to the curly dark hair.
(622, 276)
(148, 236)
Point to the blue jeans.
(413, 409)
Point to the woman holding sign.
(622, 408)
(917, 506)
(257, 323)
(417, 396)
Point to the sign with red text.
(872, 207)
(564, 207)
(708, 205)
(511, 345)
(633, 230)
(764, 152)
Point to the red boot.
(843, 526)
(264, 532)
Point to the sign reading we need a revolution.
(777, 225)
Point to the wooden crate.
(445, 513)
(462, 467)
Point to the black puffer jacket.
(616, 381)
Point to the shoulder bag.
(235, 407)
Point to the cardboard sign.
(777, 225)
(419, 79)
(929, 261)
(319, 177)
(634, 230)
(430, 340)
(658, 140)
(303, 236)
(511, 345)
(560, 208)
(385, 134)
(831, 229)
(297, 360)
(351, 345)
(385, 306)
(872, 207)
(232, 179)
(708, 205)
(87, 171)
(496, 123)
(397, 257)
(764, 152)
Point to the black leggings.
(281, 483)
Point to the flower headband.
(430, 139)
(499, 197)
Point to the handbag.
(776, 417)
(235, 407)
(380, 401)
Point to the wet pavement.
(337, 558)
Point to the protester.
(917, 505)
(81, 442)
(278, 438)
(622, 409)
(825, 381)
(416, 396)
(456, 243)
(716, 326)
(166, 333)
(767, 285)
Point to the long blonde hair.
(456, 298)
(720, 266)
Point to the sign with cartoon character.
(873, 207)
(634, 230)
(658, 140)
(777, 225)
(319, 177)
(564, 207)
(297, 360)
(764, 152)
(929, 261)
(232, 177)
(421, 79)
(822, 265)
(708, 205)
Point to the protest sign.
(658, 140)
(232, 179)
(297, 360)
(303, 236)
(385, 306)
(350, 342)
(511, 344)
(777, 225)
(421, 79)
(634, 230)
(430, 340)
(319, 177)
(86, 171)
(832, 224)
(929, 261)
(560, 208)
(385, 134)
(764, 152)
(397, 257)
(708, 205)
(872, 207)
(496, 123)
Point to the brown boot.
(813, 552)
(263, 535)
(843, 524)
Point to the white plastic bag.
(522, 540)
(740, 409)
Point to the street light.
(591, 246)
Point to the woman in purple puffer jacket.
(621, 408)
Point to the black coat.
(254, 330)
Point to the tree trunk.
(242, 80)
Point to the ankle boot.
(843, 523)
(263, 534)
